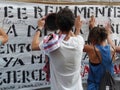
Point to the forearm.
(92, 23)
(117, 49)
(91, 27)
(77, 31)
(36, 41)
(109, 40)
(78, 25)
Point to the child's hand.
(108, 28)
(92, 22)
(78, 25)
(41, 23)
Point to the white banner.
(21, 68)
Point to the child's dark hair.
(65, 19)
(50, 22)
(97, 35)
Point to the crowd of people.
(65, 49)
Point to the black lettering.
(1, 78)
(30, 27)
(25, 77)
(22, 13)
(90, 11)
(41, 75)
(109, 11)
(18, 61)
(100, 11)
(8, 11)
(38, 11)
(11, 47)
(78, 11)
(117, 42)
(8, 79)
(117, 12)
(35, 58)
(21, 47)
(28, 47)
(12, 30)
(33, 75)
(47, 9)
(16, 75)
(2, 49)
(115, 28)
(7, 61)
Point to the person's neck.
(68, 35)
(104, 43)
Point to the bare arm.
(117, 49)
(78, 24)
(109, 40)
(35, 41)
(89, 47)
(92, 22)
(3, 36)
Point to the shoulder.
(88, 48)
(80, 39)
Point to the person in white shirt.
(65, 60)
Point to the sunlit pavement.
(84, 86)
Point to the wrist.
(39, 27)
(39, 30)
(78, 29)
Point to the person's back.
(65, 68)
(65, 62)
(65, 52)
(97, 70)
(100, 53)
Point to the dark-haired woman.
(99, 51)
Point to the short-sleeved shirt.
(65, 65)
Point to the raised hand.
(108, 28)
(41, 23)
(78, 25)
(92, 22)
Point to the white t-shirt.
(65, 65)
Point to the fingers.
(43, 18)
(41, 23)
(78, 17)
(92, 22)
(78, 24)
(108, 28)
(92, 18)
